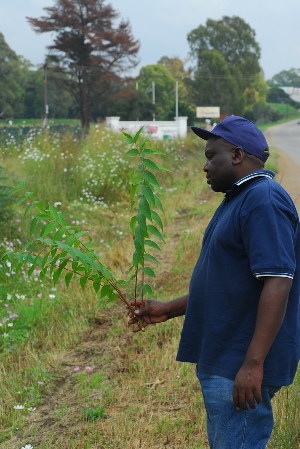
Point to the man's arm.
(153, 312)
(271, 312)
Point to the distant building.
(293, 92)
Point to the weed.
(94, 414)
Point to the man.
(242, 312)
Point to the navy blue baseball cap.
(240, 132)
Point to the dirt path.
(59, 420)
(66, 415)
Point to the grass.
(288, 111)
(285, 109)
(38, 122)
(94, 384)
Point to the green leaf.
(132, 223)
(55, 276)
(27, 245)
(42, 274)
(31, 269)
(152, 244)
(70, 240)
(132, 152)
(141, 228)
(112, 297)
(149, 271)
(150, 164)
(137, 258)
(53, 251)
(136, 177)
(33, 225)
(138, 246)
(106, 290)
(150, 178)
(148, 194)
(40, 205)
(164, 168)
(28, 209)
(144, 208)
(127, 135)
(68, 278)
(79, 234)
(96, 286)
(74, 265)
(18, 267)
(158, 204)
(150, 151)
(56, 215)
(45, 259)
(59, 234)
(49, 227)
(137, 135)
(153, 230)
(147, 289)
(83, 281)
(139, 235)
(133, 189)
(157, 219)
(150, 257)
(141, 219)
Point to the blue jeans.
(229, 428)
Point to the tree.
(286, 78)
(213, 83)
(88, 48)
(11, 90)
(131, 104)
(164, 88)
(226, 63)
(177, 68)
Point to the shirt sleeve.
(269, 236)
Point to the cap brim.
(203, 133)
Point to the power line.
(227, 77)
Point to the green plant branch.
(145, 224)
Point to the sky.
(162, 26)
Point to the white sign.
(208, 111)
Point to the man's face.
(219, 168)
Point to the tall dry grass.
(136, 395)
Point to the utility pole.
(176, 101)
(46, 95)
(153, 99)
(137, 89)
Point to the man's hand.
(270, 314)
(149, 311)
(247, 386)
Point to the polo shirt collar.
(239, 185)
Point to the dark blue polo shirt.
(253, 233)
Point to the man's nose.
(205, 168)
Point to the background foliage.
(222, 69)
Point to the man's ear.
(238, 155)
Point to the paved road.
(285, 139)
